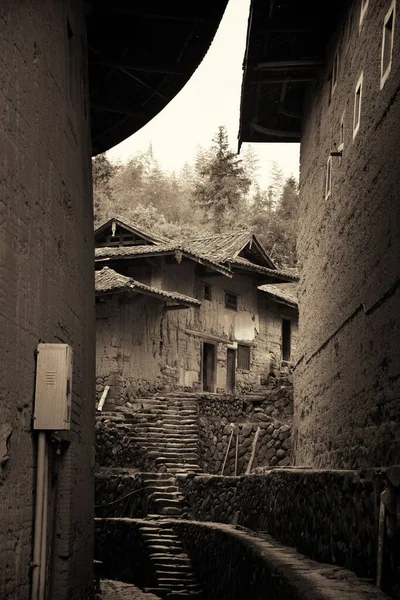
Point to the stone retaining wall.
(121, 548)
(119, 493)
(115, 441)
(331, 516)
(270, 412)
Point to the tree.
(222, 185)
(103, 175)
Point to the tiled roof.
(109, 281)
(220, 247)
(140, 231)
(281, 292)
(132, 251)
(280, 275)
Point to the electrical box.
(53, 387)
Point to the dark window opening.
(231, 300)
(207, 291)
(243, 357)
(208, 367)
(387, 45)
(286, 339)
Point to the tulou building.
(75, 78)
(197, 315)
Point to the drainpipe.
(43, 552)
(39, 515)
(381, 537)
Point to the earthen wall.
(347, 381)
(46, 284)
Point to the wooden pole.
(253, 451)
(103, 398)
(237, 450)
(227, 450)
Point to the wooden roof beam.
(289, 64)
(282, 78)
(278, 133)
(118, 110)
(125, 8)
(150, 68)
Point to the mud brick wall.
(331, 516)
(218, 416)
(46, 282)
(347, 403)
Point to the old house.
(342, 103)
(188, 316)
(72, 83)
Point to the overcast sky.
(210, 98)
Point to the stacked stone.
(273, 445)
(112, 485)
(115, 442)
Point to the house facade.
(201, 324)
(343, 105)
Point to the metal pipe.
(43, 553)
(37, 537)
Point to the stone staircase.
(172, 567)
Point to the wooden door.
(231, 371)
(208, 361)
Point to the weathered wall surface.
(46, 281)
(347, 406)
(331, 516)
(143, 349)
(270, 413)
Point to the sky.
(210, 98)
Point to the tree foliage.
(218, 193)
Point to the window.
(363, 10)
(357, 106)
(286, 339)
(231, 300)
(387, 43)
(341, 134)
(243, 357)
(328, 181)
(207, 291)
(335, 72)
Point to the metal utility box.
(53, 387)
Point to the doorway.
(231, 371)
(208, 367)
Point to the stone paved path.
(117, 590)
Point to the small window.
(363, 10)
(243, 357)
(207, 291)
(349, 29)
(328, 181)
(286, 339)
(387, 44)
(341, 134)
(357, 106)
(231, 300)
(335, 72)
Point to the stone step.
(145, 529)
(166, 489)
(171, 511)
(163, 558)
(158, 547)
(167, 501)
(181, 568)
(161, 495)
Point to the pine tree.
(223, 184)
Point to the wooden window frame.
(357, 114)
(391, 14)
(231, 305)
(207, 294)
(328, 178)
(240, 348)
(363, 10)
